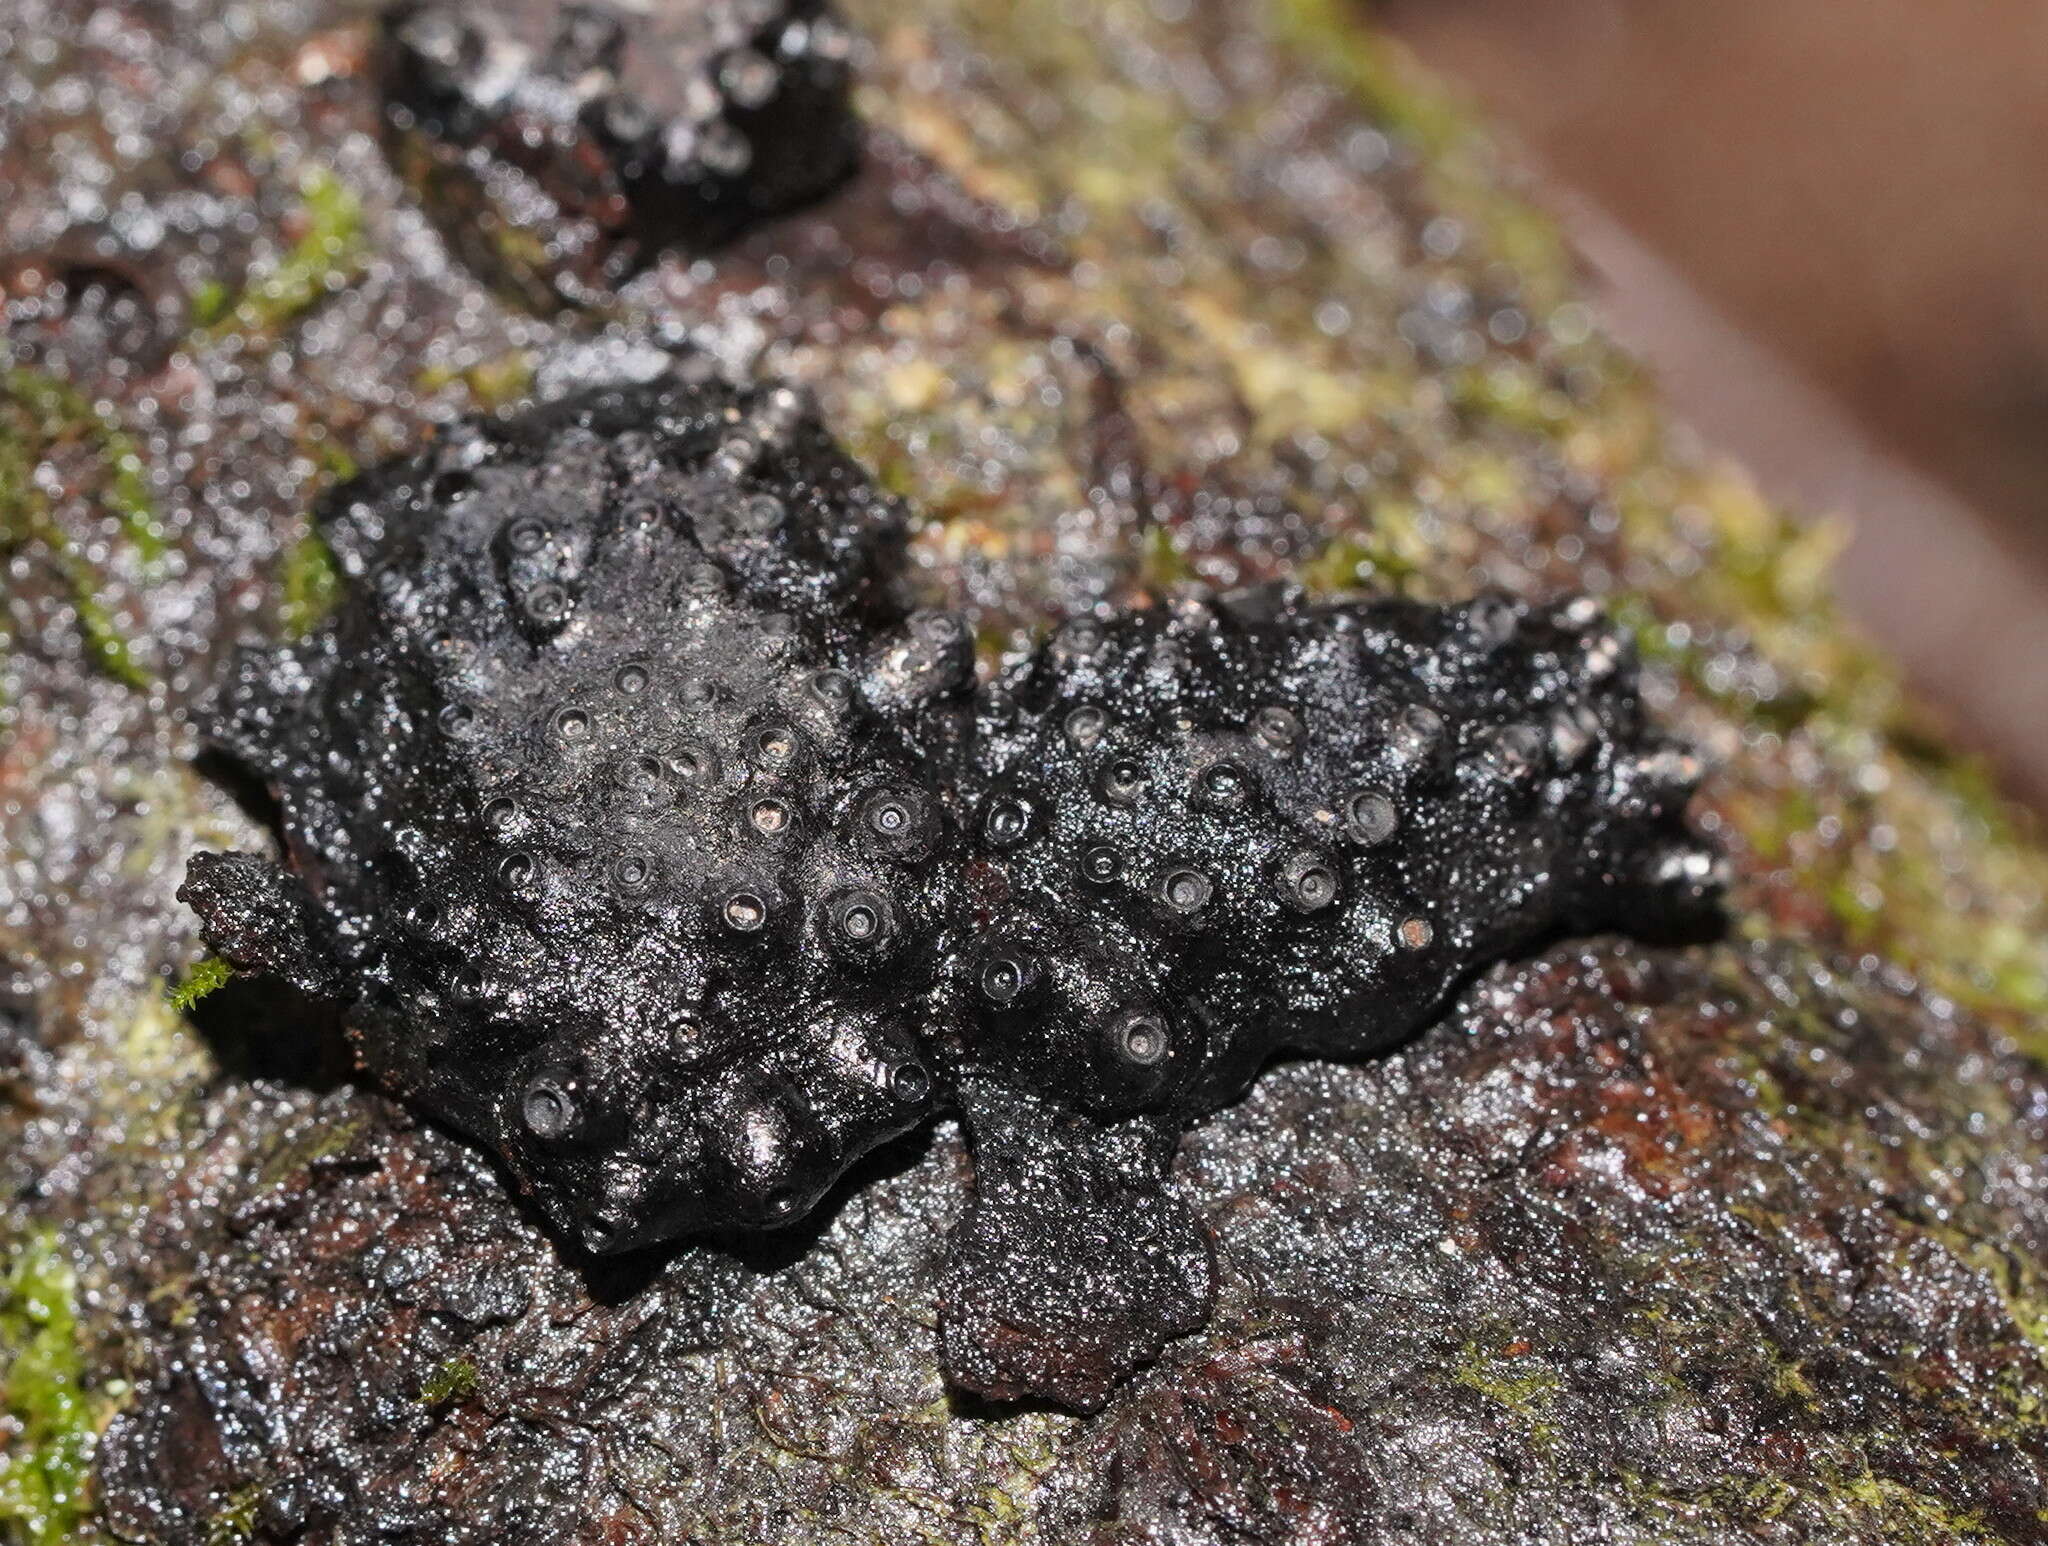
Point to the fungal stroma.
(654, 841)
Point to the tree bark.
(1638, 1245)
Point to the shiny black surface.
(662, 848)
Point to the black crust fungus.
(560, 146)
(654, 841)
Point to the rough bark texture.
(1633, 1245)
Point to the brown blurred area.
(1825, 223)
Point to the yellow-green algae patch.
(50, 1427)
(489, 384)
(451, 1380)
(326, 256)
(311, 587)
(1510, 1375)
(1463, 163)
(37, 414)
(58, 411)
(234, 1523)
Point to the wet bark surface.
(1648, 1245)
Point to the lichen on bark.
(1635, 1245)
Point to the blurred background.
(1825, 225)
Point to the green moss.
(200, 979)
(1460, 163)
(335, 462)
(236, 1520)
(60, 412)
(1920, 1512)
(1510, 393)
(1353, 563)
(106, 643)
(307, 1147)
(1387, 554)
(211, 301)
(311, 586)
(1161, 564)
(327, 256)
(36, 413)
(45, 1468)
(452, 1380)
(492, 384)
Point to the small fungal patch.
(560, 147)
(655, 842)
